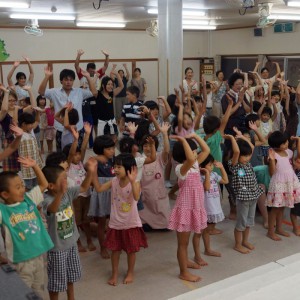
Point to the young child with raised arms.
(188, 213)
(284, 188)
(125, 227)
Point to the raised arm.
(4, 106)
(164, 128)
(11, 72)
(240, 136)
(91, 82)
(113, 72)
(74, 145)
(235, 149)
(80, 52)
(206, 183)
(180, 117)
(224, 175)
(198, 115)
(278, 71)
(166, 107)
(275, 112)
(256, 67)
(31, 73)
(135, 185)
(120, 84)
(226, 116)
(259, 138)
(127, 73)
(87, 131)
(43, 85)
(28, 88)
(106, 62)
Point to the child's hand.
(218, 164)
(204, 171)
(271, 154)
(252, 125)
(69, 106)
(132, 175)
(228, 136)
(87, 128)
(26, 58)
(150, 141)
(177, 138)
(16, 64)
(132, 128)
(86, 74)
(125, 65)
(48, 71)
(164, 128)
(80, 52)
(27, 162)
(144, 110)
(237, 132)
(181, 89)
(16, 130)
(91, 164)
(295, 138)
(105, 53)
(26, 88)
(75, 133)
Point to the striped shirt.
(131, 112)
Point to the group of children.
(43, 209)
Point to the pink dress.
(189, 213)
(155, 197)
(284, 188)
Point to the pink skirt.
(130, 240)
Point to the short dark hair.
(25, 118)
(264, 69)
(251, 118)
(144, 140)
(218, 72)
(256, 106)
(91, 66)
(267, 111)
(52, 173)
(133, 90)
(19, 75)
(54, 159)
(188, 69)
(102, 142)
(245, 148)
(211, 124)
(27, 100)
(277, 138)
(126, 160)
(137, 69)
(275, 93)
(207, 160)
(234, 77)
(39, 98)
(67, 148)
(126, 144)
(73, 116)
(65, 73)
(4, 178)
(151, 105)
(178, 150)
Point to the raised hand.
(164, 128)
(271, 154)
(177, 138)
(26, 88)
(252, 125)
(16, 130)
(105, 52)
(85, 73)
(132, 175)
(27, 162)
(125, 66)
(229, 99)
(237, 132)
(228, 136)
(3, 88)
(75, 133)
(69, 106)
(87, 128)
(150, 140)
(132, 127)
(48, 71)
(80, 52)
(26, 59)
(295, 138)
(16, 64)
(218, 164)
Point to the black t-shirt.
(107, 169)
(104, 107)
(123, 92)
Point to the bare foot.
(212, 253)
(232, 216)
(3, 260)
(91, 246)
(248, 245)
(193, 265)
(282, 232)
(104, 253)
(242, 249)
(296, 231)
(266, 225)
(215, 231)
(172, 196)
(189, 277)
(200, 261)
(274, 236)
(113, 280)
(81, 248)
(128, 279)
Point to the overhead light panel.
(292, 17)
(199, 27)
(185, 12)
(293, 3)
(40, 16)
(11, 4)
(101, 24)
(195, 22)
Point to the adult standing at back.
(140, 83)
(219, 88)
(189, 83)
(65, 94)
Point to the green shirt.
(214, 144)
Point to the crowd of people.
(240, 133)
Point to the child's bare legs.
(53, 295)
(131, 262)
(262, 208)
(173, 190)
(206, 240)
(271, 224)
(279, 219)
(70, 291)
(296, 230)
(196, 245)
(50, 146)
(182, 256)
(101, 236)
(87, 230)
(245, 241)
(239, 239)
(115, 257)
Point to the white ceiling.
(224, 12)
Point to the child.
(245, 188)
(50, 130)
(26, 237)
(284, 188)
(77, 173)
(125, 227)
(41, 103)
(29, 148)
(63, 260)
(212, 200)
(188, 213)
(100, 204)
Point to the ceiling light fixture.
(185, 12)
(11, 4)
(40, 16)
(284, 17)
(195, 22)
(199, 27)
(293, 3)
(100, 24)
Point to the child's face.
(209, 166)
(61, 183)
(284, 146)
(109, 152)
(51, 104)
(15, 191)
(257, 123)
(276, 98)
(64, 165)
(147, 149)
(67, 83)
(76, 158)
(187, 122)
(22, 81)
(244, 159)
(250, 82)
(155, 112)
(265, 118)
(297, 164)
(42, 102)
(130, 97)
(119, 171)
(27, 127)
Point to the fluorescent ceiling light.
(195, 12)
(195, 22)
(101, 24)
(199, 27)
(40, 16)
(294, 3)
(284, 16)
(11, 4)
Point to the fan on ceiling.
(264, 11)
(33, 28)
(152, 30)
